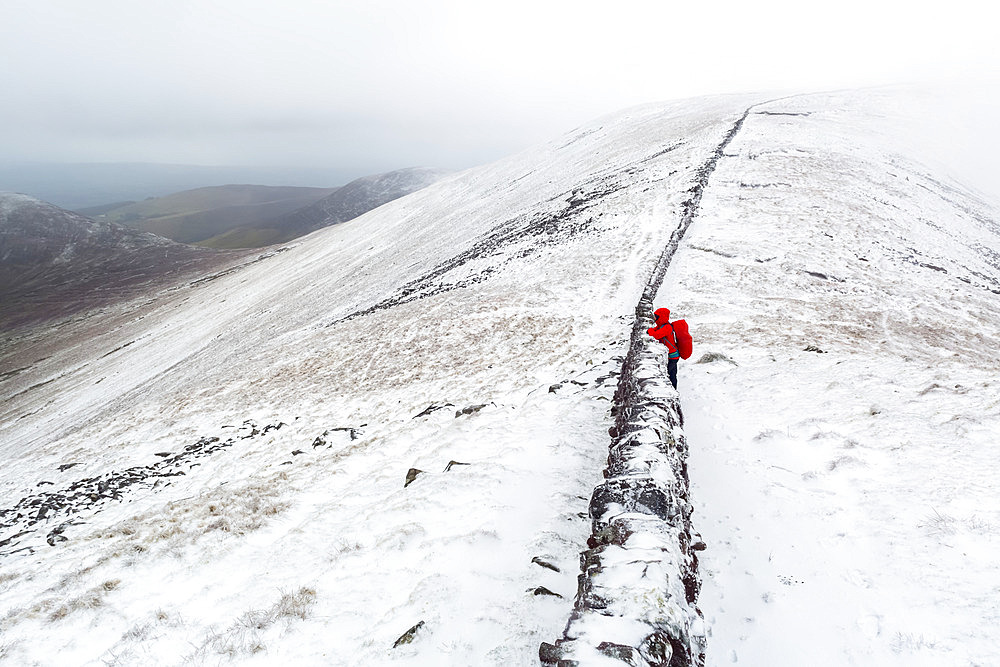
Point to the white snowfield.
(473, 331)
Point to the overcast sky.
(379, 84)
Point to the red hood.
(662, 315)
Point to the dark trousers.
(672, 372)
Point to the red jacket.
(674, 335)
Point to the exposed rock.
(543, 563)
(407, 637)
(627, 654)
(542, 590)
(549, 654)
(454, 463)
(658, 649)
(56, 535)
(353, 431)
(92, 492)
(433, 408)
(712, 357)
(813, 348)
(472, 409)
(411, 475)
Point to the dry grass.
(245, 636)
(91, 599)
(224, 510)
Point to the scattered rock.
(553, 388)
(91, 492)
(658, 649)
(551, 655)
(627, 654)
(547, 565)
(433, 408)
(472, 409)
(56, 535)
(455, 463)
(407, 637)
(542, 590)
(44, 483)
(713, 250)
(712, 357)
(353, 431)
(817, 274)
(813, 348)
(273, 427)
(411, 475)
(297, 452)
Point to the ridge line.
(645, 494)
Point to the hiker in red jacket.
(675, 336)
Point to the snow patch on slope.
(843, 464)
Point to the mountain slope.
(843, 462)
(371, 446)
(436, 327)
(359, 196)
(195, 215)
(55, 262)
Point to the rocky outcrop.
(92, 493)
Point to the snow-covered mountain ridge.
(481, 321)
(284, 341)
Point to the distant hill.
(94, 211)
(79, 186)
(195, 215)
(346, 203)
(55, 262)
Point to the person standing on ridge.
(675, 336)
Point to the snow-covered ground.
(487, 289)
(847, 496)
